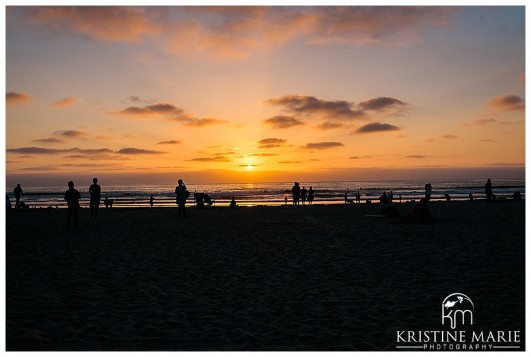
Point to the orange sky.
(246, 94)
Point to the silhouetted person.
(517, 196)
(428, 189)
(358, 197)
(400, 198)
(310, 195)
(488, 190)
(180, 196)
(420, 213)
(296, 192)
(72, 198)
(447, 196)
(304, 191)
(95, 198)
(471, 196)
(8, 202)
(108, 202)
(233, 203)
(18, 193)
(151, 198)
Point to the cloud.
(376, 127)
(488, 121)
(169, 142)
(289, 162)
(71, 133)
(283, 122)
(415, 157)
(271, 143)
(507, 102)
(241, 32)
(218, 158)
(64, 102)
(134, 98)
(101, 23)
(381, 103)
(136, 151)
(449, 136)
(263, 154)
(322, 145)
(13, 98)
(170, 112)
(38, 150)
(330, 125)
(203, 121)
(49, 141)
(154, 109)
(312, 106)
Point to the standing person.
(72, 198)
(304, 191)
(358, 197)
(428, 188)
(18, 193)
(151, 201)
(181, 193)
(296, 191)
(310, 195)
(488, 190)
(95, 197)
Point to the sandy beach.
(325, 277)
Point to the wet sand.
(260, 278)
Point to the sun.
(249, 167)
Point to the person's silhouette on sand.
(72, 198)
(420, 213)
(488, 190)
(233, 203)
(180, 193)
(304, 191)
(95, 198)
(151, 198)
(310, 195)
(18, 193)
(296, 191)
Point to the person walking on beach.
(180, 193)
(358, 197)
(72, 198)
(304, 191)
(95, 198)
(296, 192)
(151, 201)
(18, 193)
(310, 195)
(428, 188)
(488, 190)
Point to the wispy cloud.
(507, 102)
(49, 141)
(415, 156)
(449, 136)
(170, 112)
(218, 158)
(323, 145)
(13, 98)
(381, 103)
(169, 142)
(271, 143)
(283, 122)
(312, 106)
(32, 150)
(136, 151)
(102, 23)
(376, 127)
(65, 102)
(71, 133)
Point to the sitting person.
(108, 202)
(420, 213)
(233, 203)
(447, 196)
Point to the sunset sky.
(246, 94)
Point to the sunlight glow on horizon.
(261, 93)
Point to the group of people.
(72, 198)
(300, 195)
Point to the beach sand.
(325, 277)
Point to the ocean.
(272, 193)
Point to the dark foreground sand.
(262, 278)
